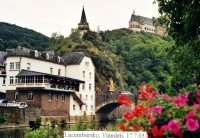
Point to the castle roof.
(83, 20)
(141, 19)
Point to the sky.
(50, 16)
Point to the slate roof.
(141, 19)
(2, 55)
(83, 20)
(73, 58)
(21, 51)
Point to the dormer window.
(36, 53)
(59, 59)
(87, 64)
(47, 56)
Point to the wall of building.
(35, 65)
(82, 72)
(55, 107)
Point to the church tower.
(83, 25)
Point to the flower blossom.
(154, 94)
(136, 128)
(138, 110)
(128, 116)
(122, 99)
(173, 126)
(166, 97)
(192, 124)
(157, 109)
(198, 93)
(122, 127)
(191, 115)
(147, 110)
(157, 132)
(145, 91)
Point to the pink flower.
(191, 115)
(157, 109)
(180, 102)
(166, 97)
(182, 97)
(192, 124)
(188, 93)
(198, 93)
(154, 94)
(146, 111)
(197, 105)
(164, 127)
(173, 126)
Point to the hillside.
(129, 58)
(12, 36)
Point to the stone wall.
(17, 115)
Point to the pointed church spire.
(83, 25)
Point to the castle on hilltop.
(139, 23)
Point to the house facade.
(44, 80)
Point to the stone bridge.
(106, 102)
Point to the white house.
(81, 67)
(60, 86)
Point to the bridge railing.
(103, 97)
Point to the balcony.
(46, 86)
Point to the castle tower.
(83, 25)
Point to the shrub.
(164, 116)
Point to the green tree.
(182, 19)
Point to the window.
(47, 56)
(83, 74)
(29, 79)
(86, 97)
(11, 66)
(83, 86)
(90, 87)
(59, 72)
(81, 96)
(74, 107)
(16, 80)
(4, 80)
(28, 66)
(63, 97)
(80, 107)
(91, 97)
(38, 79)
(87, 64)
(91, 107)
(17, 65)
(86, 107)
(51, 70)
(30, 95)
(16, 95)
(11, 80)
(50, 96)
(90, 75)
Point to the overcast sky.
(48, 16)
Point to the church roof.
(83, 20)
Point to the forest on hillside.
(129, 58)
(12, 36)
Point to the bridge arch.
(105, 104)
